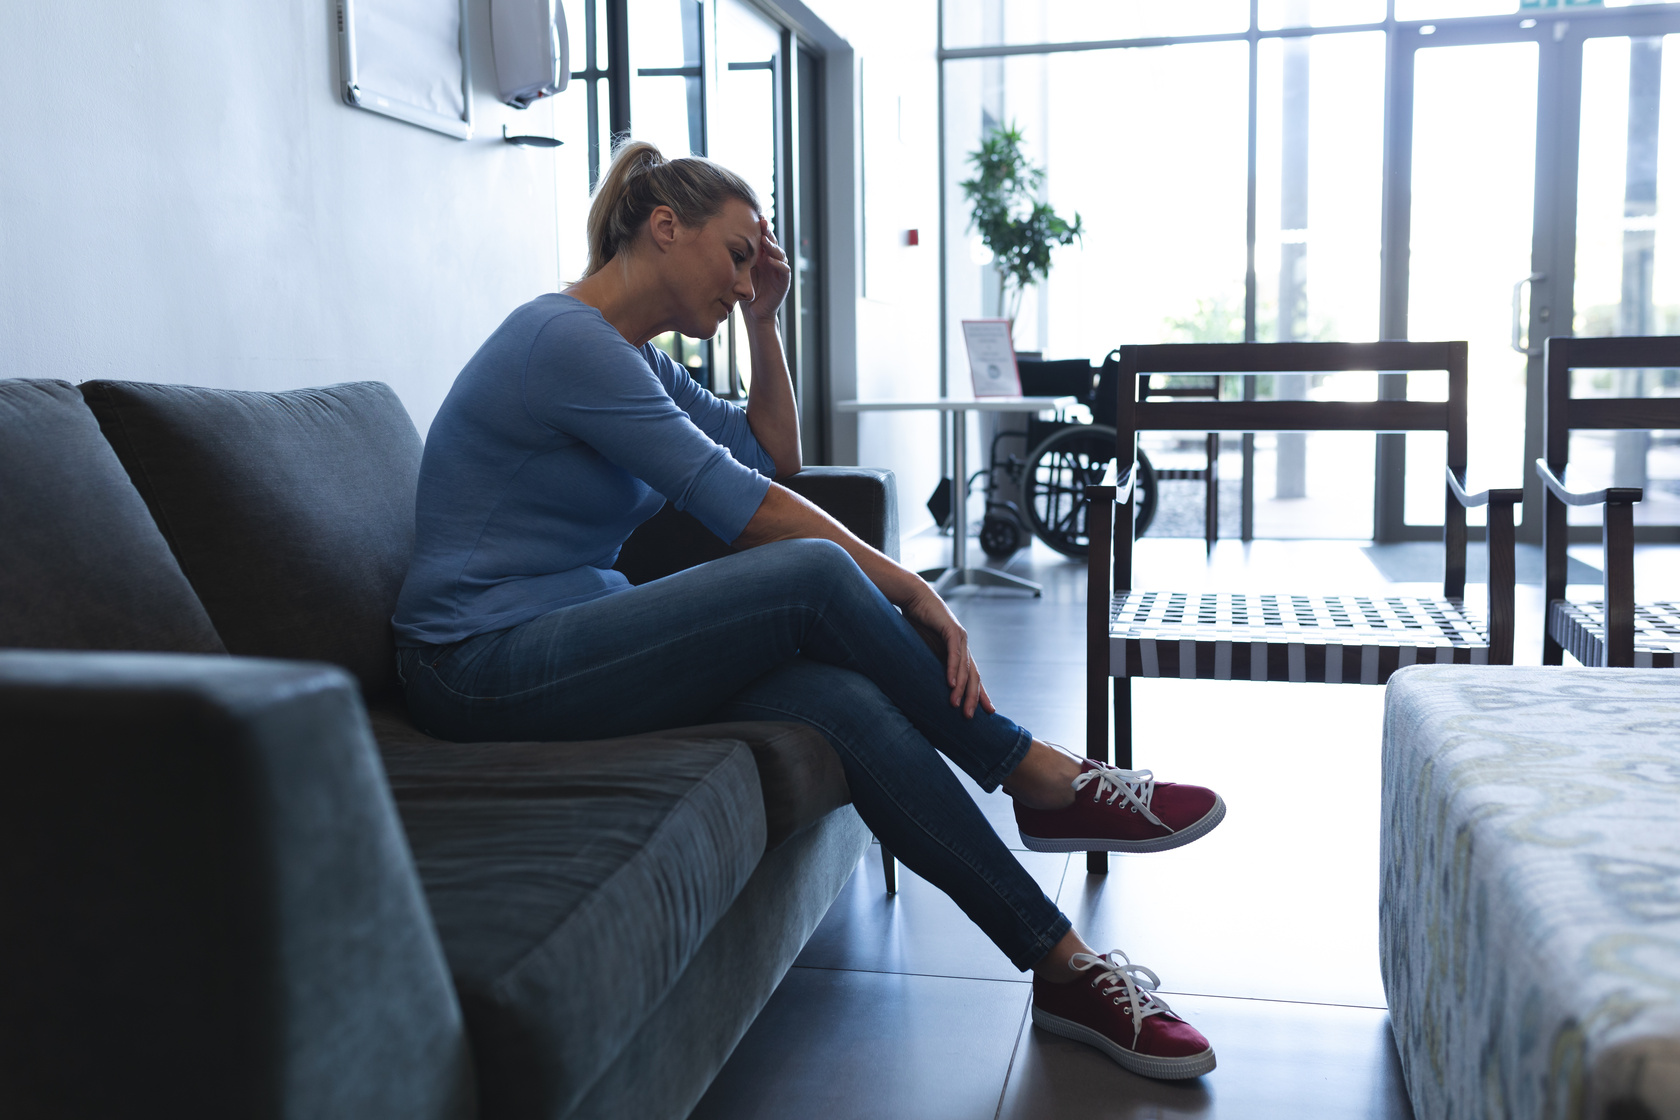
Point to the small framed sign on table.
(991, 358)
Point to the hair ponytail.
(640, 179)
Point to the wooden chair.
(1352, 639)
(1616, 631)
(1208, 476)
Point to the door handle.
(1519, 333)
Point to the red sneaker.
(1118, 810)
(1113, 1007)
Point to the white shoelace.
(1136, 786)
(1116, 973)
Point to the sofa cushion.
(82, 566)
(571, 883)
(291, 513)
(798, 772)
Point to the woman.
(568, 429)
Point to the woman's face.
(710, 267)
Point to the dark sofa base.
(669, 1063)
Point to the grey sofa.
(246, 886)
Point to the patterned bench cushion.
(1336, 639)
(1530, 899)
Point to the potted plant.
(1012, 221)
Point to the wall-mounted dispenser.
(529, 40)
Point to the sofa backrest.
(82, 565)
(291, 513)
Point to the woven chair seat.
(1334, 639)
(1579, 628)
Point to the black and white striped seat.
(1333, 639)
(1579, 629)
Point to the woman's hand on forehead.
(771, 274)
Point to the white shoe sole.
(1158, 844)
(1164, 1069)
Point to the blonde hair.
(640, 179)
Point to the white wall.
(898, 302)
(184, 197)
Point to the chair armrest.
(863, 499)
(209, 902)
(1112, 487)
(1502, 563)
(1618, 502)
(1510, 496)
(1613, 495)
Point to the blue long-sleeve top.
(557, 439)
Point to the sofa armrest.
(863, 499)
(210, 906)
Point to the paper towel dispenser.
(528, 38)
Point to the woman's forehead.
(737, 217)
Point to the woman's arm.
(771, 412)
(784, 515)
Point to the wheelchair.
(1065, 456)
(1062, 458)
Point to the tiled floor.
(1264, 933)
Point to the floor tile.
(1319, 567)
(1425, 562)
(834, 1045)
(918, 930)
(1014, 682)
(1023, 628)
(1279, 901)
(1277, 1061)
(1055, 719)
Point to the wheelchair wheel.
(1144, 496)
(1057, 472)
(1001, 535)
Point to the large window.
(718, 78)
(1339, 170)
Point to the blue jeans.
(789, 631)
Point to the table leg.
(943, 579)
(959, 493)
(984, 577)
(959, 574)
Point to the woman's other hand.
(939, 628)
(771, 275)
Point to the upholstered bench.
(1530, 904)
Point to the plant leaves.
(1012, 221)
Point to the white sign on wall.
(408, 59)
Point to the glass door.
(746, 137)
(1473, 120)
(1524, 155)
(1627, 272)
(667, 84)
